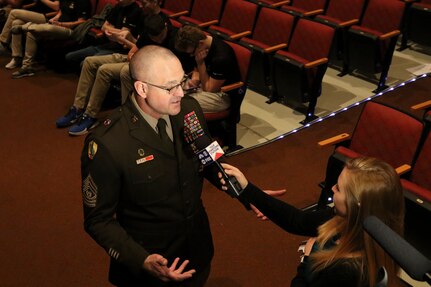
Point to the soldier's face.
(163, 95)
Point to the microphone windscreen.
(411, 260)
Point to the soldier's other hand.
(157, 265)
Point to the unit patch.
(92, 149)
(89, 192)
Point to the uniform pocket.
(148, 183)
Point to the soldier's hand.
(157, 266)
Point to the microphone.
(411, 260)
(208, 152)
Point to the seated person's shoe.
(72, 116)
(23, 72)
(84, 124)
(3, 49)
(14, 63)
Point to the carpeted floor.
(43, 242)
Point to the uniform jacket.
(141, 199)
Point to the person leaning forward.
(142, 199)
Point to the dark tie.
(161, 127)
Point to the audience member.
(340, 253)
(19, 17)
(142, 184)
(121, 21)
(7, 5)
(71, 13)
(216, 66)
(153, 36)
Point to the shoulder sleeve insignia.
(92, 149)
(89, 192)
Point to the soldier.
(142, 183)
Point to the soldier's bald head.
(145, 61)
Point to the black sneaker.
(23, 72)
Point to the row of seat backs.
(240, 15)
(373, 14)
(397, 138)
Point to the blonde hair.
(372, 187)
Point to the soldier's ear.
(141, 88)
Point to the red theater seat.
(223, 124)
(237, 20)
(299, 70)
(382, 132)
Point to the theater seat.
(299, 69)
(341, 15)
(176, 8)
(370, 45)
(382, 132)
(204, 13)
(271, 33)
(305, 8)
(222, 124)
(417, 24)
(237, 20)
(417, 186)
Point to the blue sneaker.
(70, 118)
(84, 124)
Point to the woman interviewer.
(340, 252)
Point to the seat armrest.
(28, 6)
(389, 35)
(275, 48)
(334, 140)
(231, 87)
(349, 23)
(316, 63)
(422, 106)
(281, 3)
(403, 169)
(239, 35)
(96, 33)
(207, 24)
(178, 14)
(313, 13)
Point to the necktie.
(161, 127)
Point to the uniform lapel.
(142, 131)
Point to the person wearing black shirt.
(60, 27)
(96, 75)
(216, 66)
(123, 19)
(340, 252)
(19, 17)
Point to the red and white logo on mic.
(211, 153)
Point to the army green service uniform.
(140, 198)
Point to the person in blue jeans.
(120, 23)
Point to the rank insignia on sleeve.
(89, 192)
(92, 149)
